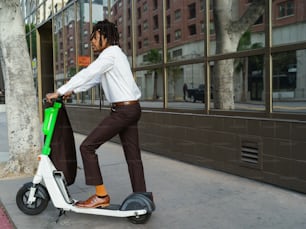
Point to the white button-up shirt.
(112, 70)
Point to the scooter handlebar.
(59, 99)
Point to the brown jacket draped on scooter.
(63, 152)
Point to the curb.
(5, 220)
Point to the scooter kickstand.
(61, 212)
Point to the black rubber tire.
(42, 199)
(141, 219)
(138, 204)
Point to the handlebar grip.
(59, 99)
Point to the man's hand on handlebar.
(67, 95)
(51, 96)
(55, 95)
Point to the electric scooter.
(33, 197)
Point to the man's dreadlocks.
(108, 30)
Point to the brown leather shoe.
(94, 202)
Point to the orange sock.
(101, 190)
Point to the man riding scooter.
(112, 70)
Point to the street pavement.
(186, 196)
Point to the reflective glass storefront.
(180, 54)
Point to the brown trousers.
(123, 121)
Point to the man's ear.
(105, 38)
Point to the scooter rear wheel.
(140, 219)
(40, 204)
(135, 204)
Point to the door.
(45, 62)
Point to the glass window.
(155, 21)
(150, 82)
(155, 4)
(168, 38)
(186, 86)
(34, 12)
(178, 34)
(145, 25)
(168, 4)
(58, 49)
(138, 12)
(122, 18)
(145, 7)
(289, 26)
(69, 44)
(192, 29)
(177, 14)
(146, 42)
(192, 10)
(97, 11)
(168, 21)
(66, 2)
(40, 14)
(57, 6)
(202, 6)
(149, 36)
(289, 84)
(236, 58)
(139, 30)
(48, 9)
(285, 8)
(211, 28)
(252, 37)
(240, 87)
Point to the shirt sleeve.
(96, 80)
(84, 78)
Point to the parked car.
(198, 94)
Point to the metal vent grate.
(250, 153)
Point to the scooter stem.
(49, 124)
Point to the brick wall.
(267, 150)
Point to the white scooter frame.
(32, 198)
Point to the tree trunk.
(229, 28)
(24, 135)
(224, 85)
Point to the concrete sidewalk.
(186, 197)
(3, 134)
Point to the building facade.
(170, 43)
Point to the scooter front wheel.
(39, 205)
